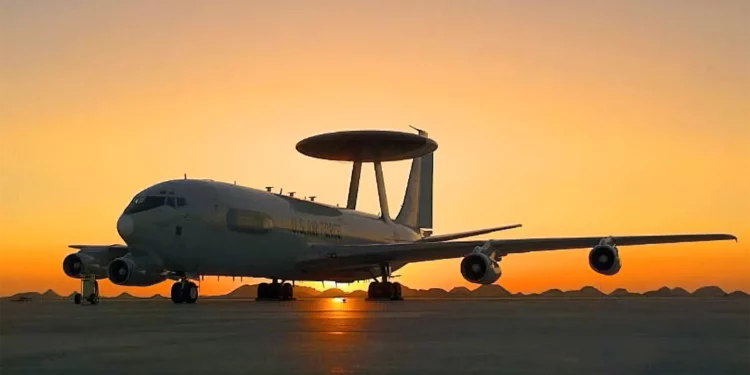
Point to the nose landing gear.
(89, 290)
(275, 291)
(184, 291)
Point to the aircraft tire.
(93, 299)
(287, 292)
(176, 293)
(372, 291)
(263, 291)
(190, 293)
(396, 291)
(77, 298)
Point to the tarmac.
(513, 336)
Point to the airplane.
(185, 229)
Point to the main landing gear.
(275, 291)
(184, 291)
(384, 290)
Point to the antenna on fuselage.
(291, 194)
(312, 198)
(269, 188)
(184, 176)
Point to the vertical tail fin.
(416, 210)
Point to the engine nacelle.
(76, 264)
(125, 271)
(480, 269)
(605, 260)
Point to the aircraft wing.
(347, 256)
(99, 247)
(455, 236)
(115, 248)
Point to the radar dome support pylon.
(368, 146)
(351, 202)
(382, 196)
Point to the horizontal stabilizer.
(455, 236)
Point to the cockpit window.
(140, 204)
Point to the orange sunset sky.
(572, 118)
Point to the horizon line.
(418, 290)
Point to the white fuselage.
(215, 228)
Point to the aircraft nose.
(125, 226)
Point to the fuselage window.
(140, 204)
(170, 202)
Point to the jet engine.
(125, 271)
(77, 263)
(480, 269)
(604, 260)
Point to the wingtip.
(729, 237)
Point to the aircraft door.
(180, 206)
(200, 214)
(180, 230)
